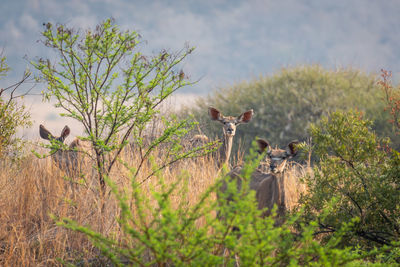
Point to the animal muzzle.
(230, 131)
(277, 167)
(273, 168)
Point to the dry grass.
(292, 184)
(34, 189)
(31, 192)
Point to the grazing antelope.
(229, 129)
(269, 186)
(66, 160)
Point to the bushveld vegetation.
(12, 113)
(288, 102)
(148, 198)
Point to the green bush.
(12, 114)
(159, 234)
(102, 80)
(286, 103)
(360, 170)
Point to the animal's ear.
(291, 149)
(44, 133)
(262, 145)
(65, 132)
(215, 114)
(245, 117)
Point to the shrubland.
(361, 172)
(287, 102)
(153, 202)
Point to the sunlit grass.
(34, 190)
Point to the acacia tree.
(103, 80)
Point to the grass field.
(34, 190)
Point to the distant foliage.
(12, 114)
(359, 171)
(286, 103)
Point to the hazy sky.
(235, 40)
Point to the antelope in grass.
(66, 160)
(269, 186)
(229, 129)
(198, 140)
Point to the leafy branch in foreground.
(155, 231)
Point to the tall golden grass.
(34, 189)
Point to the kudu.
(66, 160)
(229, 130)
(269, 186)
(198, 140)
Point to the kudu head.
(277, 158)
(230, 123)
(229, 128)
(65, 159)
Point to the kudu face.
(277, 158)
(230, 123)
(65, 159)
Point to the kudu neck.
(280, 178)
(225, 150)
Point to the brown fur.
(229, 130)
(271, 192)
(198, 140)
(269, 186)
(66, 160)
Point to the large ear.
(245, 117)
(44, 133)
(262, 145)
(65, 132)
(215, 114)
(291, 149)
